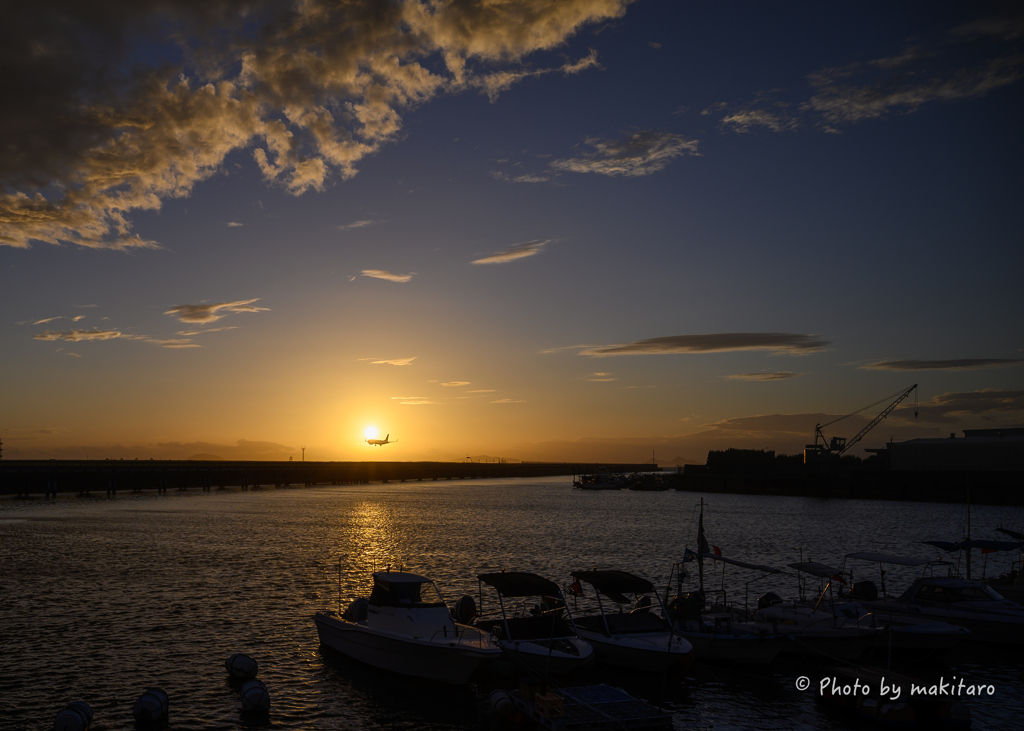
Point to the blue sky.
(822, 189)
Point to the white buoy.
(76, 717)
(255, 697)
(242, 666)
(151, 706)
(501, 702)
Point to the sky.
(572, 230)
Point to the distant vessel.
(600, 480)
(405, 626)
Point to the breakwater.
(984, 488)
(50, 477)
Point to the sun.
(370, 432)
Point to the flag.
(718, 551)
(839, 578)
(575, 587)
(689, 555)
(989, 550)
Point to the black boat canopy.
(815, 568)
(1011, 533)
(520, 583)
(615, 582)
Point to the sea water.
(101, 598)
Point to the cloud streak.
(78, 335)
(775, 376)
(201, 314)
(641, 153)
(396, 361)
(783, 343)
(386, 275)
(961, 364)
(522, 251)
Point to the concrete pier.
(50, 477)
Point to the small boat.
(639, 638)
(539, 637)
(600, 480)
(406, 627)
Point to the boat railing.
(467, 634)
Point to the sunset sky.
(549, 230)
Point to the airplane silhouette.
(380, 442)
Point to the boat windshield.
(405, 594)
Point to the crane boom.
(874, 422)
(839, 445)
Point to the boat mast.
(700, 546)
(968, 534)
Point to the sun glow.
(370, 432)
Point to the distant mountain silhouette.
(205, 458)
(683, 460)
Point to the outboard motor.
(255, 697)
(357, 610)
(77, 716)
(865, 591)
(241, 667)
(768, 599)
(465, 610)
(151, 707)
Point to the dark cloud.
(962, 364)
(951, 408)
(775, 376)
(791, 343)
(113, 106)
(640, 153)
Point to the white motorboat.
(538, 637)
(406, 627)
(962, 602)
(639, 638)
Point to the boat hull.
(539, 656)
(446, 660)
(750, 650)
(655, 652)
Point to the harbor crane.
(838, 446)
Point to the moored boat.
(639, 638)
(539, 637)
(405, 626)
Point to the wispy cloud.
(395, 361)
(775, 376)
(414, 401)
(602, 377)
(213, 312)
(356, 224)
(788, 343)
(48, 319)
(382, 274)
(526, 178)
(744, 120)
(76, 318)
(483, 390)
(77, 335)
(508, 401)
(961, 364)
(496, 82)
(207, 330)
(234, 224)
(521, 251)
(179, 343)
(640, 153)
(451, 384)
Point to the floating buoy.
(151, 707)
(77, 716)
(242, 666)
(501, 702)
(255, 697)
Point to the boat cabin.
(624, 615)
(526, 620)
(408, 604)
(951, 590)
